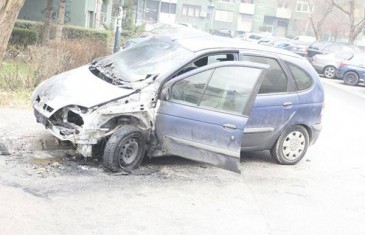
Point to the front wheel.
(329, 72)
(291, 146)
(351, 78)
(125, 149)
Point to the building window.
(169, 8)
(91, 16)
(283, 4)
(248, 1)
(224, 16)
(190, 10)
(246, 18)
(302, 6)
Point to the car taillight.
(342, 63)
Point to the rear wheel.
(125, 149)
(329, 72)
(291, 146)
(351, 78)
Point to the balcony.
(247, 8)
(283, 13)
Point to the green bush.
(23, 37)
(68, 32)
(72, 32)
(27, 24)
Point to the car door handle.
(229, 126)
(288, 104)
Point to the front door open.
(202, 114)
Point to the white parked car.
(327, 64)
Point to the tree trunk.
(60, 19)
(98, 13)
(47, 22)
(354, 28)
(9, 10)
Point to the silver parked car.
(327, 64)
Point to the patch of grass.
(16, 99)
(14, 74)
(11, 66)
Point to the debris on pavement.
(3, 150)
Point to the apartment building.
(278, 17)
(78, 12)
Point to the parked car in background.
(253, 37)
(158, 28)
(305, 39)
(224, 33)
(299, 48)
(352, 71)
(271, 41)
(323, 47)
(327, 64)
(204, 98)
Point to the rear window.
(302, 80)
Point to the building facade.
(78, 12)
(278, 17)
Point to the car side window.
(332, 48)
(301, 78)
(190, 90)
(225, 89)
(209, 59)
(275, 80)
(230, 88)
(220, 58)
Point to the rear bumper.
(316, 130)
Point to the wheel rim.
(329, 72)
(294, 145)
(351, 78)
(128, 151)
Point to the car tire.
(329, 72)
(125, 149)
(351, 78)
(291, 146)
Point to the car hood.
(76, 87)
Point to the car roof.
(212, 42)
(196, 40)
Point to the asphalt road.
(54, 192)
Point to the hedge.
(27, 24)
(29, 28)
(23, 37)
(73, 32)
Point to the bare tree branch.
(317, 27)
(341, 8)
(355, 28)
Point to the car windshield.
(142, 63)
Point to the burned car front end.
(89, 103)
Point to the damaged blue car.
(203, 98)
